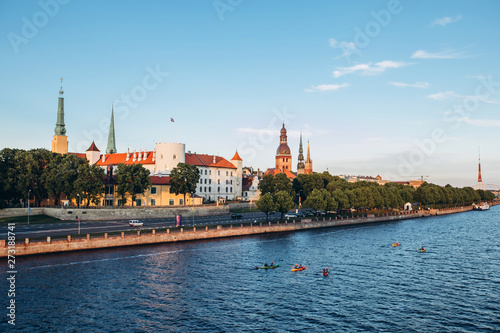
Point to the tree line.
(322, 191)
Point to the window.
(218, 181)
(210, 189)
(231, 173)
(231, 190)
(201, 189)
(209, 172)
(119, 203)
(218, 172)
(227, 173)
(218, 189)
(205, 188)
(170, 190)
(205, 181)
(227, 181)
(210, 181)
(109, 202)
(153, 190)
(110, 189)
(153, 202)
(205, 172)
(201, 181)
(174, 157)
(181, 202)
(138, 202)
(231, 182)
(226, 189)
(171, 202)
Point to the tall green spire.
(111, 148)
(60, 129)
(300, 164)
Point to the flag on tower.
(172, 119)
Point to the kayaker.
(266, 265)
(272, 264)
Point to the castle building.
(300, 163)
(60, 139)
(308, 169)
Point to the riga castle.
(220, 179)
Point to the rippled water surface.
(210, 286)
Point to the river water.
(210, 286)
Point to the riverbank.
(153, 236)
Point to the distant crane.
(421, 177)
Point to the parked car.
(236, 216)
(135, 223)
(290, 216)
(299, 214)
(320, 212)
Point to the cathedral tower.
(300, 164)
(60, 140)
(111, 148)
(283, 154)
(309, 163)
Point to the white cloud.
(327, 87)
(347, 47)
(449, 54)
(445, 20)
(414, 85)
(481, 122)
(440, 96)
(369, 69)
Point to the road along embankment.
(179, 235)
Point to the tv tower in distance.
(479, 178)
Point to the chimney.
(103, 158)
(214, 159)
(128, 154)
(135, 156)
(140, 155)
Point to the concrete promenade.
(154, 237)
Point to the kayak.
(266, 267)
(422, 250)
(299, 269)
(325, 273)
(396, 244)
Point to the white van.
(135, 223)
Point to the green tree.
(316, 200)
(90, 183)
(284, 202)
(132, 179)
(184, 178)
(267, 185)
(10, 192)
(266, 204)
(282, 183)
(331, 204)
(31, 165)
(341, 199)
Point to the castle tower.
(238, 178)
(479, 178)
(93, 154)
(60, 140)
(283, 154)
(309, 163)
(111, 148)
(300, 163)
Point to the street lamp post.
(29, 209)
(192, 199)
(78, 217)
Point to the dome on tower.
(283, 130)
(283, 149)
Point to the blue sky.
(397, 88)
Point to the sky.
(400, 89)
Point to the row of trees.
(326, 192)
(43, 174)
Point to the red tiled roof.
(81, 155)
(93, 147)
(208, 160)
(236, 157)
(157, 180)
(274, 172)
(115, 159)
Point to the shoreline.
(49, 246)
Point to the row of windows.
(204, 189)
(218, 172)
(152, 202)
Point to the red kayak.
(325, 273)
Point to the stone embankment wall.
(89, 214)
(153, 237)
(50, 246)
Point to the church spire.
(300, 164)
(111, 148)
(60, 128)
(308, 164)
